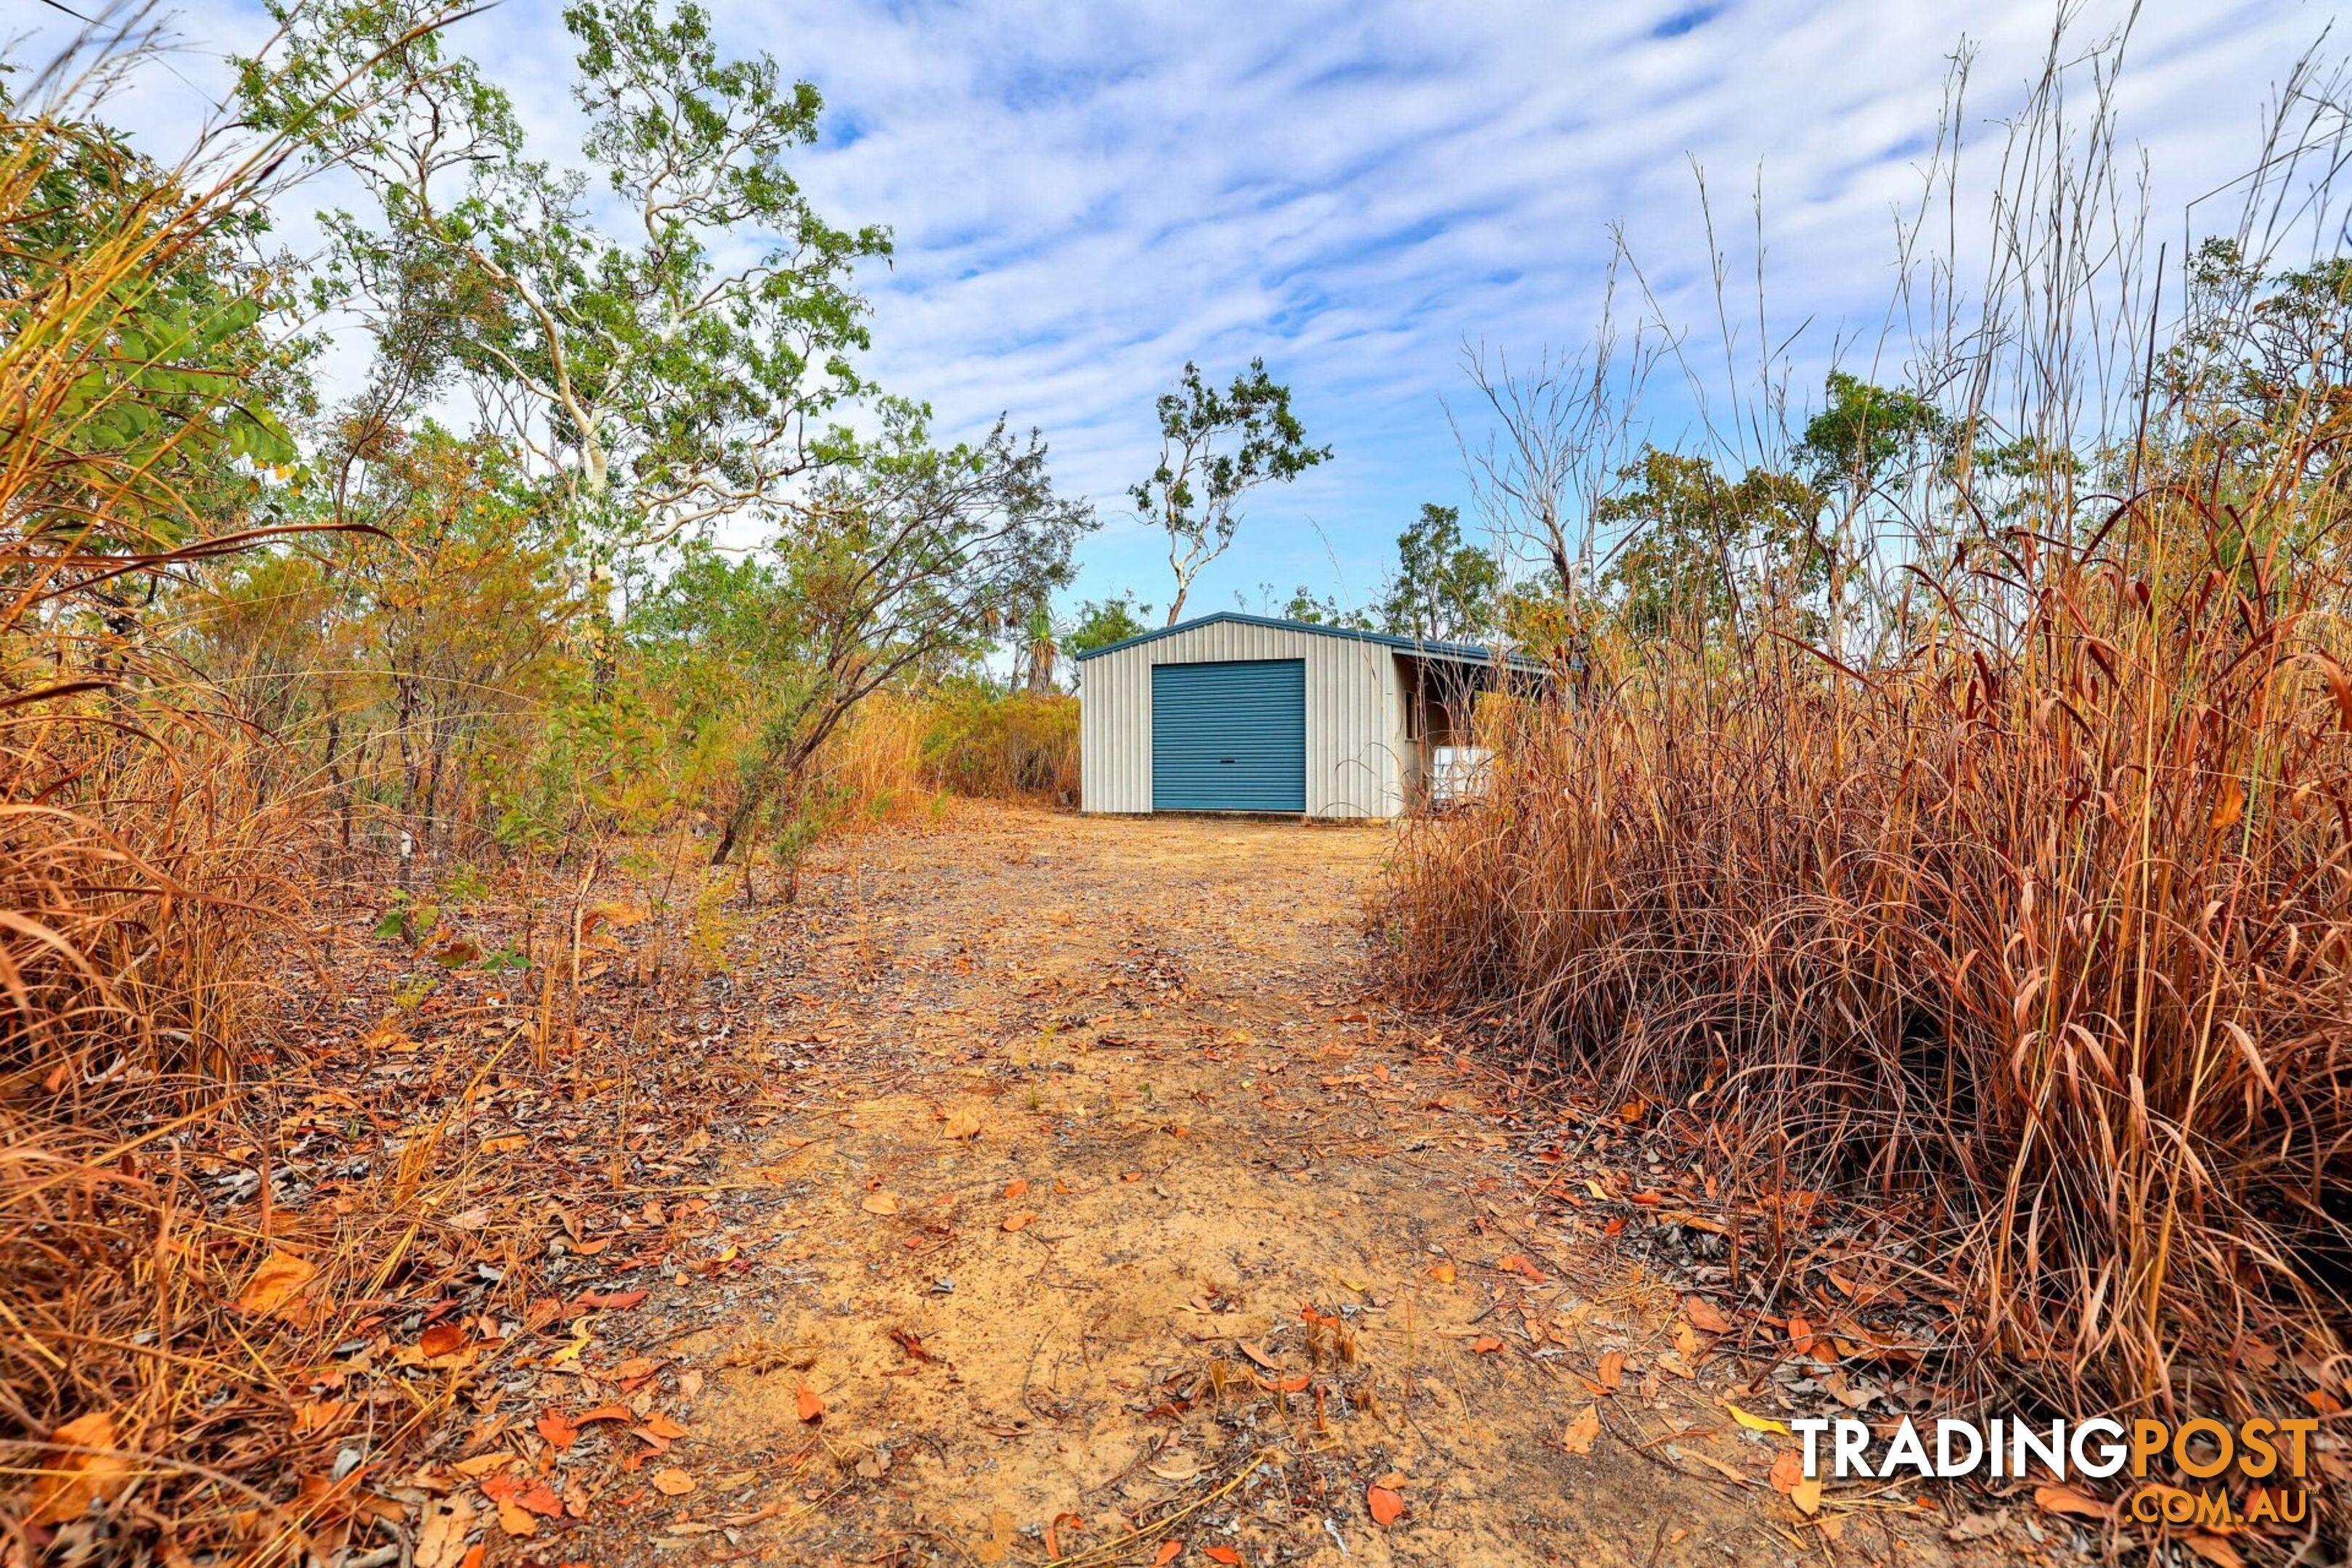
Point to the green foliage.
(1863, 434)
(1444, 590)
(1102, 622)
(658, 387)
(1214, 448)
(1308, 610)
(131, 317)
(1697, 546)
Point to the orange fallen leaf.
(481, 1465)
(662, 1427)
(1018, 1221)
(1612, 1370)
(963, 1124)
(1169, 1551)
(879, 1203)
(1807, 1495)
(1787, 1471)
(810, 1403)
(553, 1427)
(1485, 1344)
(1386, 1504)
(1706, 1316)
(1577, 1439)
(1014, 1188)
(515, 1519)
(1221, 1554)
(673, 1482)
(280, 1277)
(601, 1413)
(69, 1483)
(1258, 1355)
(1441, 1272)
(442, 1339)
(2066, 1500)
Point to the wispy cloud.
(1085, 196)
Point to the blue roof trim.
(1459, 652)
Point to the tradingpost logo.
(2270, 1455)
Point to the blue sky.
(1085, 195)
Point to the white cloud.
(1084, 196)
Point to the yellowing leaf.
(279, 1280)
(1756, 1423)
(1807, 1495)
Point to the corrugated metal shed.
(1363, 733)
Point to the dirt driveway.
(1106, 1216)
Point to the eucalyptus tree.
(1214, 448)
(661, 339)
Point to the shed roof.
(1452, 652)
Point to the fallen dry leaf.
(1169, 1551)
(1444, 1273)
(1756, 1423)
(810, 1404)
(441, 1533)
(557, 1429)
(963, 1124)
(1612, 1370)
(1015, 1188)
(1485, 1344)
(279, 1280)
(1787, 1471)
(1807, 1495)
(1018, 1221)
(879, 1203)
(2066, 1500)
(1385, 1504)
(1221, 1554)
(442, 1339)
(673, 1482)
(69, 1483)
(1706, 1316)
(1577, 1439)
(2213, 1549)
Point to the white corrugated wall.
(1355, 717)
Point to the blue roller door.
(1229, 736)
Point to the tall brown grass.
(149, 852)
(2024, 911)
